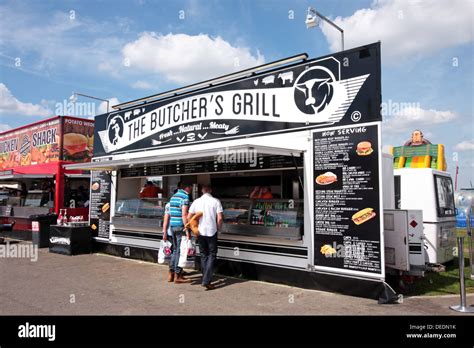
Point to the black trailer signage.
(340, 89)
(216, 166)
(348, 208)
(100, 200)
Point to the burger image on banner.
(364, 148)
(75, 147)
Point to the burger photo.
(75, 147)
(364, 148)
(363, 215)
(326, 178)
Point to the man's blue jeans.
(208, 251)
(177, 234)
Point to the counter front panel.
(282, 218)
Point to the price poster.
(101, 184)
(347, 200)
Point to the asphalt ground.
(99, 284)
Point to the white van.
(431, 191)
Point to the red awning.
(45, 168)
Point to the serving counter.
(22, 217)
(278, 218)
(141, 215)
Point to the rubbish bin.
(40, 228)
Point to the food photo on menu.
(363, 216)
(364, 148)
(326, 178)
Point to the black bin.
(70, 240)
(40, 236)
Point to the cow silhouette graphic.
(287, 76)
(314, 90)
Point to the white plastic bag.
(161, 252)
(191, 248)
(183, 252)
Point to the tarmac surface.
(98, 284)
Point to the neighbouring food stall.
(305, 131)
(32, 178)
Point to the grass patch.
(442, 283)
(447, 282)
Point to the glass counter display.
(38, 198)
(282, 218)
(236, 211)
(139, 213)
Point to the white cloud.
(185, 58)
(66, 42)
(103, 105)
(4, 127)
(140, 84)
(466, 145)
(410, 118)
(9, 105)
(406, 28)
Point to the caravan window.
(398, 198)
(444, 196)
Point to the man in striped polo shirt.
(179, 205)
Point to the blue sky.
(122, 50)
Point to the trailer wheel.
(405, 282)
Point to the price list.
(347, 226)
(101, 183)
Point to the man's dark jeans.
(177, 234)
(208, 251)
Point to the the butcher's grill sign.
(312, 94)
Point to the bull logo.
(314, 89)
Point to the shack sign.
(340, 89)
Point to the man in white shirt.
(210, 222)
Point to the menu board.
(132, 172)
(256, 163)
(347, 205)
(101, 184)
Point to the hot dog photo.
(363, 215)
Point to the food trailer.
(308, 130)
(32, 178)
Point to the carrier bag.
(163, 251)
(191, 247)
(183, 252)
